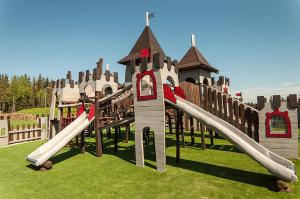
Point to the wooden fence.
(223, 106)
(22, 133)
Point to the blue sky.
(253, 42)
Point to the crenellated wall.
(97, 81)
(221, 84)
(278, 125)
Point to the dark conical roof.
(194, 59)
(146, 40)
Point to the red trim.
(287, 123)
(168, 94)
(80, 110)
(178, 91)
(145, 52)
(139, 77)
(91, 112)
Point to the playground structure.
(156, 87)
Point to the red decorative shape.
(287, 123)
(225, 90)
(91, 112)
(144, 52)
(80, 110)
(168, 94)
(178, 91)
(139, 77)
(238, 94)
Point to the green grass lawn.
(35, 111)
(217, 172)
(14, 123)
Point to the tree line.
(21, 92)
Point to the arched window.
(205, 81)
(191, 80)
(107, 90)
(278, 124)
(89, 91)
(146, 86)
(170, 81)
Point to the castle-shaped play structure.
(160, 91)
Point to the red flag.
(144, 52)
(225, 90)
(239, 94)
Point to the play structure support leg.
(116, 139)
(181, 128)
(127, 133)
(170, 123)
(177, 136)
(202, 136)
(99, 147)
(77, 141)
(108, 133)
(160, 151)
(192, 130)
(82, 142)
(139, 148)
(211, 135)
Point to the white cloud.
(250, 94)
(287, 84)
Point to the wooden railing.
(224, 106)
(22, 133)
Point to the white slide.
(282, 168)
(47, 150)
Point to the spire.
(146, 40)
(147, 19)
(193, 40)
(194, 59)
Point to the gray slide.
(47, 150)
(282, 168)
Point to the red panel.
(144, 52)
(139, 77)
(168, 94)
(91, 112)
(178, 91)
(80, 110)
(287, 123)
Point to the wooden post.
(192, 130)
(225, 116)
(177, 136)
(99, 146)
(169, 123)
(211, 135)
(236, 114)
(127, 131)
(256, 125)
(202, 136)
(230, 110)
(181, 129)
(242, 116)
(116, 139)
(82, 143)
(108, 133)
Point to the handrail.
(235, 99)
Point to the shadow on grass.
(127, 153)
(248, 177)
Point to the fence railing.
(224, 106)
(11, 134)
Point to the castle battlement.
(278, 124)
(106, 82)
